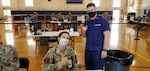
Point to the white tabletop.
(145, 22)
(64, 22)
(60, 22)
(142, 22)
(54, 33)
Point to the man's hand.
(83, 29)
(64, 60)
(104, 54)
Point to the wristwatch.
(105, 50)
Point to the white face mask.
(63, 42)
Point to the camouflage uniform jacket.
(8, 58)
(52, 60)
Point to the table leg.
(36, 41)
(37, 44)
(72, 42)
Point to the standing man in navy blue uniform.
(96, 30)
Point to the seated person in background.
(60, 17)
(106, 15)
(147, 19)
(65, 18)
(53, 17)
(61, 57)
(35, 16)
(79, 19)
(8, 58)
(131, 19)
(27, 17)
(70, 17)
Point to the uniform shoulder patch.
(47, 60)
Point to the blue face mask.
(63, 42)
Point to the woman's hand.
(64, 60)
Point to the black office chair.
(24, 63)
(52, 40)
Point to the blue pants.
(93, 60)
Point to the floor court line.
(135, 53)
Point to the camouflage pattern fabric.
(52, 60)
(8, 58)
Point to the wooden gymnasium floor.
(121, 37)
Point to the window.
(116, 14)
(29, 3)
(96, 2)
(7, 12)
(5, 2)
(9, 38)
(8, 26)
(114, 36)
(116, 3)
(130, 2)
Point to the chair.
(24, 63)
(52, 39)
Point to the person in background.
(9, 60)
(60, 57)
(147, 19)
(35, 15)
(27, 17)
(79, 19)
(60, 16)
(106, 15)
(96, 30)
(53, 17)
(70, 16)
(87, 18)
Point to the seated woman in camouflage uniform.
(61, 57)
(8, 58)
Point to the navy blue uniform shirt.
(94, 33)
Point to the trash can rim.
(116, 58)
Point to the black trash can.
(118, 60)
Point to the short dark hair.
(63, 33)
(90, 4)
